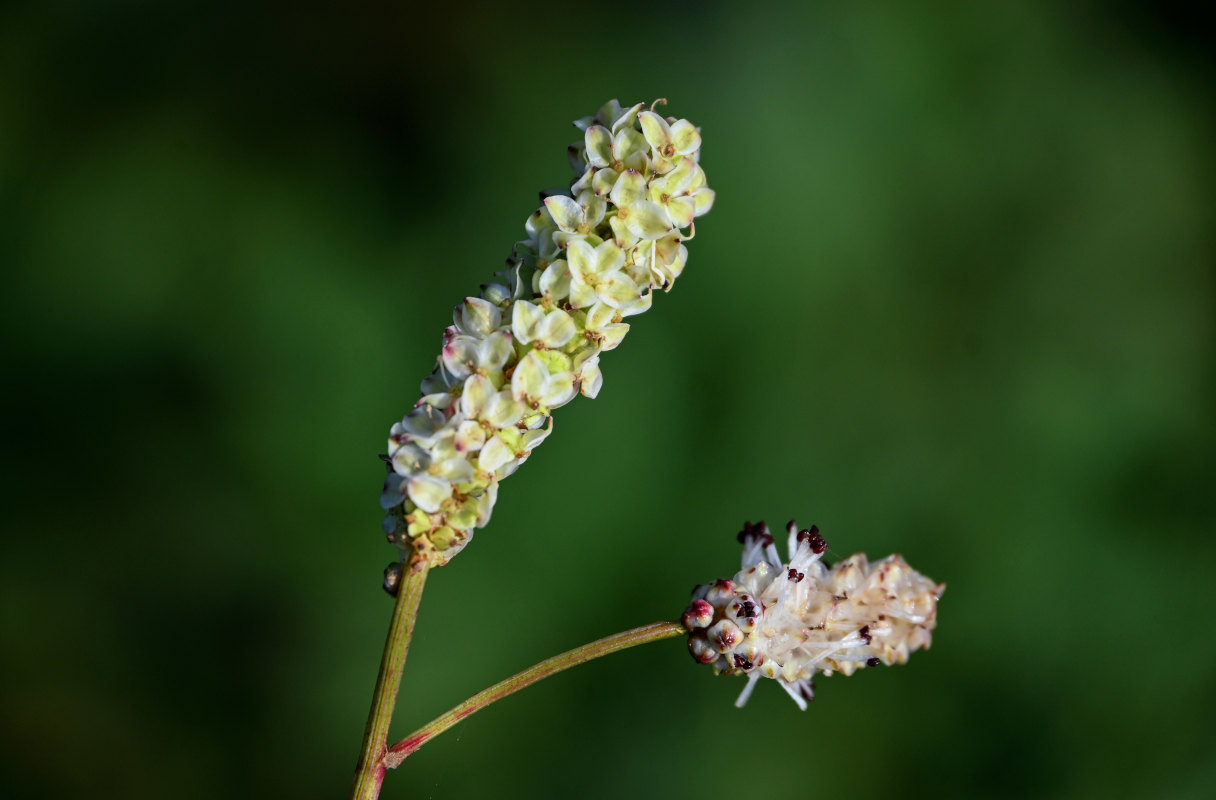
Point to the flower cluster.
(593, 257)
(789, 621)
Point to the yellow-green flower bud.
(594, 254)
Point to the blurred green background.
(955, 300)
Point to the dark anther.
(795, 575)
(742, 661)
(873, 661)
(864, 633)
(392, 578)
(759, 531)
(812, 537)
(818, 544)
(747, 609)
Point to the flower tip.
(792, 620)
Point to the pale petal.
(559, 390)
(604, 180)
(428, 492)
(445, 446)
(410, 459)
(599, 316)
(533, 439)
(565, 212)
(679, 179)
(453, 470)
(477, 392)
(556, 329)
(626, 118)
(685, 136)
(608, 112)
(439, 400)
(470, 436)
(530, 378)
(613, 334)
(502, 410)
(617, 290)
(599, 146)
(662, 164)
(581, 295)
(656, 130)
(585, 180)
(582, 260)
(494, 455)
(423, 422)
(485, 505)
(590, 378)
(508, 469)
(639, 306)
(671, 261)
(495, 293)
(538, 223)
(621, 233)
(460, 355)
(648, 220)
(594, 208)
(563, 239)
(582, 355)
(627, 143)
(555, 281)
(704, 199)
(698, 179)
(630, 188)
(664, 250)
(677, 264)
(638, 161)
(477, 316)
(681, 210)
(496, 349)
(609, 258)
(525, 319)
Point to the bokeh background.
(956, 300)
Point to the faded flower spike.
(789, 621)
(593, 256)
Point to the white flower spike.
(792, 620)
(593, 255)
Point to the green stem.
(369, 775)
(609, 644)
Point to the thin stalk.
(369, 775)
(609, 644)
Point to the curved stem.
(369, 775)
(609, 644)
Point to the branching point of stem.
(369, 775)
(579, 655)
